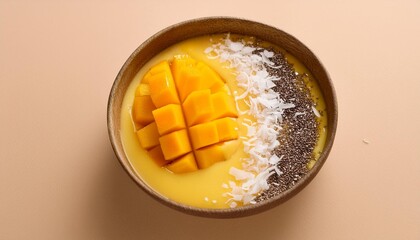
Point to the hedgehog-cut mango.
(188, 114)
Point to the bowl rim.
(227, 212)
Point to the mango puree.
(201, 188)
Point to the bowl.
(214, 25)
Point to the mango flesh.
(190, 80)
(198, 107)
(210, 155)
(169, 118)
(175, 144)
(148, 136)
(227, 129)
(189, 114)
(162, 85)
(212, 80)
(156, 155)
(179, 64)
(224, 105)
(142, 110)
(143, 90)
(184, 164)
(204, 134)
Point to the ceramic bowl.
(214, 25)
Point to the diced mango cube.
(204, 134)
(167, 96)
(157, 156)
(191, 80)
(198, 107)
(169, 118)
(146, 77)
(179, 64)
(183, 164)
(227, 128)
(162, 89)
(211, 79)
(160, 67)
(217, 87)
(224, 105)
(148, 136)
(143, 90)
(209, 155)
(142, 110)
(175, 144)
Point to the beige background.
(59, 178)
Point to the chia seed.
(299, 132)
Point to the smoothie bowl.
(222, 117)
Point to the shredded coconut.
(317, 114)
(299, 113)
(265, 106)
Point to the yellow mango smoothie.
(223, 121)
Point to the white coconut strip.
(240, 174)
(299, 113)
(316, 112)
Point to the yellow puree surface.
(201, 188)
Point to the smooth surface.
(59, 178)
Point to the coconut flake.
(265, 106)
(247, 50)
(317, 114)
(236, 46)
(299, 113)
(274, 159)
(268, 54)
(208, 50)
(240, 174)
